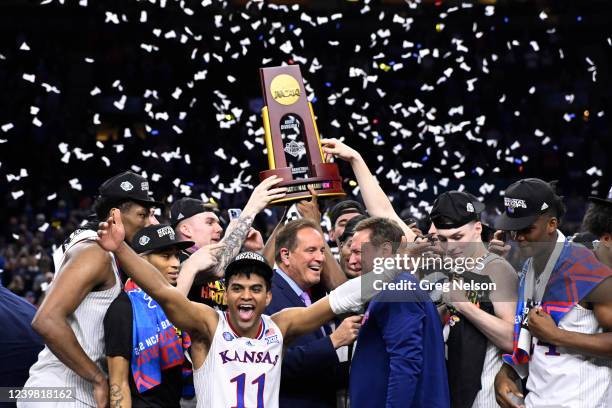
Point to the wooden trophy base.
(326, 181)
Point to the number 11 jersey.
(240, 372)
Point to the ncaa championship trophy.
(292, 139)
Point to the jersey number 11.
(240, 381)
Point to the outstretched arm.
(184, 314)
(348, 297)
(375, 199)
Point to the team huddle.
(214, 318)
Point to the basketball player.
(564, 311)
(151, 376)
(598, 221)
(237, 354)
(85, 283)
(196, 221)
(479, 323)
(340, 214)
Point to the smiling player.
(236, 354)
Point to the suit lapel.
(287, 291)
(293, 300)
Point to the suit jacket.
(310, 369)
(399, 358)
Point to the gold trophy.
(292, 139)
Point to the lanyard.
(534, 289)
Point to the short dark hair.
(557, 209)
(598, 219)
(344, 207)
(382, 230)
(247, 270)
(287, 236)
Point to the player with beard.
(563, 319)
(237, 354)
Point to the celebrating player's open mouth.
(246, 300)
(246, 312)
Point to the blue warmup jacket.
(399, 358)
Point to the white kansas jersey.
(561, 378)
(241, 372)
(86, 322)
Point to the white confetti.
(120, 104)
(111, 18)
(74, 183)
(220, 153)
(286, 47)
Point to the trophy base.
(327, 183)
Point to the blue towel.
(156, 345)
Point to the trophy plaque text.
(292, 139)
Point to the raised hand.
(254, 241)
(263, 194)
(498, 246)
(335, 148)
(310, 208)
(206, 257)
(111, 232)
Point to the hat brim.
(180, 245)
(147, 203)
(505, 223)
(598, 200)
(246, 262)
(174, 223)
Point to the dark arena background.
(436, 95)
